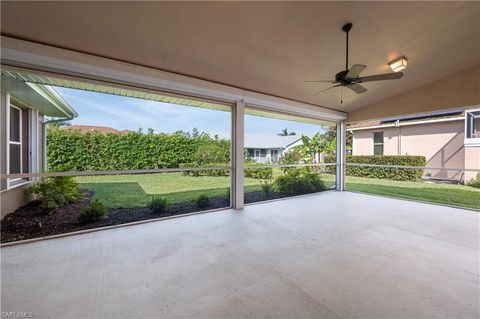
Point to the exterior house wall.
(472, 161)
(441, 143)
(14, 197)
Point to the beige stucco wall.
(440, 143)
(12, 199)
(472, 161)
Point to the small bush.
(95, 211)
(203, 201)
(400, 174)
(55, 192)
(475, 182)
(258, 173)
(299, 181)
(267, 187)
(158, 204)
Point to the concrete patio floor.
(330, 255)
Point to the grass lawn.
(125, 191)
(448, 194)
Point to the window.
(14, 143)
(257, 153)
(378, 143)
(472, 125)
(274, 155)
(17, 143)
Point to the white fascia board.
(20, 53)
(54, 98)
(460, 118)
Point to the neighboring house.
(270, 149)
(90, 128)
(448, 139)
(25, 110)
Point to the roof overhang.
(39, 97)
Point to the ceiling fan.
(350, 78)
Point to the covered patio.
(335, 254)
(331, 255)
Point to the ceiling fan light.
(398, 64)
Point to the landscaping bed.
(31, 222)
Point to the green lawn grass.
(447, 194)
(124, 191)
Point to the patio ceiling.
(265, 47)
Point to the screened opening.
(287, 155)
(127, 154)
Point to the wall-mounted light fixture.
(398, 64)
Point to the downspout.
(44, 138)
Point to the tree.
(285, 132)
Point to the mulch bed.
(30, 221)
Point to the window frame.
(255, 153)
(14, 182)
(468, 140)
(378, 144)
(274, 155)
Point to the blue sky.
(129, 113)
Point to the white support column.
(237, 155)
(341, 143)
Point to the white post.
(341, 143)
(237, 191)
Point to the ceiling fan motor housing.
(340, 78)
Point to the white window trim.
(470, 141)
(383, 142)
(14, 182)
(255, 153)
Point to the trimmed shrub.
(298, 181)
(267, 187)
(258, 173)
(158, 204)
(203, 201)
(55, 192)
(401, 174)
(95, 211)
(475, 182)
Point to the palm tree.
(285, 132)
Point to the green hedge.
(401, 174)
(133, 150)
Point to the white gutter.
(399, 123)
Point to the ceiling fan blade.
(357, 88)
(322, 91)
(355, 71)
(380, 77)
(319, 81)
